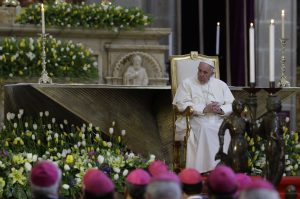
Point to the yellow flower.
(69, 159)
(39, 142)
(18, 159)
(17, 176)
(2, 185)
(104, 143)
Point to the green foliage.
(257, 157)
(24, 140)
(22, 58)
(98, 15)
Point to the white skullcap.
(209, 62)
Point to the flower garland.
(97, 15)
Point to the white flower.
(56, 135)
(100, 159)
(28, 166)
(34, 158)
(12, 116)
(287, 119)
(53, 120)
(19, 116)
(26, 124)
(21, 111)
(61, 126)
(41, 114)
(109, 144)
(67, 167)
(113, 123)
(34, 126)
(123, 132)
(117, 170)
(46, 113)
(97, 128)
(287, 162)
(83, 143)
(8, 116)
(65, 122)
(33, 137)
(29, 156)
(116, 176)
(15, 125)
(49, 126)
(125, 172)
(111, 130)
(152, 157)
(66, 186)
(90, 125)
(4, 127)
(286, 156)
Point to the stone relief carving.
(146, 71)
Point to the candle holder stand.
(283, 79)
(44, 75)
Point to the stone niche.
(120, 57)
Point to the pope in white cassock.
(211, 100)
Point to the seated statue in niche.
(136, 74)
(236, 157)
(271, 130)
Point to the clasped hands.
(213, 107)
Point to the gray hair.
(259, 194)
(163, 190)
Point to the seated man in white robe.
(211, 99)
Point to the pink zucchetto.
(45, 174)
(222, 180)
(138, 177)
(96, 182)
(243, 180)
(156, 167)
(166, 176)
(190, 176)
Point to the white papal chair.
(182, 67)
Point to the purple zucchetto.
(222, 180)
(138, 177)
(96, 182)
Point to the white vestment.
(203, 142)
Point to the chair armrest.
(188, 111)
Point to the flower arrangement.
(24, 140)
(97, 15)
(257, 158)
(22, 58)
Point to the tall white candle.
(218, 38)
(282, 23)
(43, 18)
(170, 44)
(272, 52)
(251, 53)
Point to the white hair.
(259, 194)
(163, 190)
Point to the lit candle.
(282, 23)
(43, 18)
(252, 54)
(272, 51)
(218, 38)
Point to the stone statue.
(136, 74)
(271, 130)
(236, 157)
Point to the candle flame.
(272, 21)
(282, 12)
(218, 23)
(251, 25)
(42, 7)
